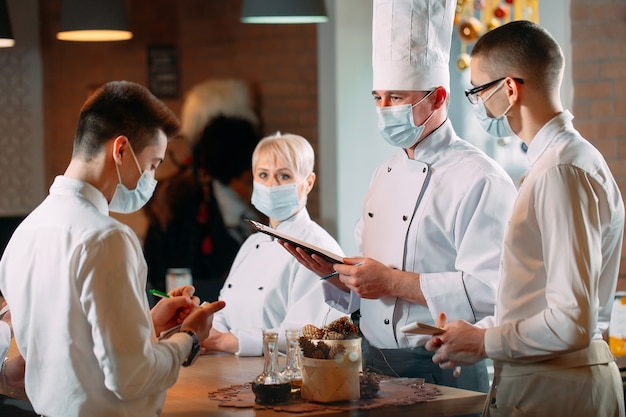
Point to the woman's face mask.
(129, 201)
(278, 202)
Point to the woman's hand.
(220, 342)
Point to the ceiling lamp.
(6, 33)
(94, 21)
(283, 11)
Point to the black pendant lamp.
(6, 32)
(283, 11)
(94, 21)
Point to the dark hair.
(522, 49)
(225, 148)
(122, 108)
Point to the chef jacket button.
(386, 321)
(423, 169)
(370, 214)
(260, 288)
(404, 218)
(257, 246)
(230, 285)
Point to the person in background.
(562, 249)
(196, 218)
(434, 216)
(75, 277)
(267, 288)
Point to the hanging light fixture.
(283, 11)
(6, 33)
(94, 21)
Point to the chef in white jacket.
(266, 287)
(433, 219)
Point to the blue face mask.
(129, 201)
(396, 124)
(495, 126)
(278, 202)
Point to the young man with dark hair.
(75, 278)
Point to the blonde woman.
(267, 288)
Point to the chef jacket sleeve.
(469, 292)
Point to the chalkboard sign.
(163, 71)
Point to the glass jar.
(293, 365)
(270, 387)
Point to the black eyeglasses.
(472, 93)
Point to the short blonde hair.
(293, 150)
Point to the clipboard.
(421, 328)
(307, 247)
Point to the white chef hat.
(411, 44)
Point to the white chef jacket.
(267, 288)
(442, 215)
(5, 339)
(75, 280)
(561, 253)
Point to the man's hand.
(169, 312)
(461, 344)
(220, 342)
(200, 320)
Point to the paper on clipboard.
(421, 328)
(307, 247)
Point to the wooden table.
(189, 396)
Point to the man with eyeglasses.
(433, 220)
(562, 250)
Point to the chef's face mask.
(396, 124)
(278, 202)
(128, 201)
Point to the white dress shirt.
(442, 215)
(561, 253)
(75, 280)
(267, 288)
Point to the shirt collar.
(294, 222)
(66, 186)
(547, 134)
(429, 148)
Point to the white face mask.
(495, 126)
(396, 124)
(129, 201)
(278, 202)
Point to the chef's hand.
(220, 342)
(169, 312)
(461, 344)
(200, 320)
(312, 262)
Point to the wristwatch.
(195, 349)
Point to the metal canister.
(177, 277)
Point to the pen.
(158, 293)
(333, 274)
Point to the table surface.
(189, 396)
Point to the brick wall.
(280, 61)
(599, 74)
